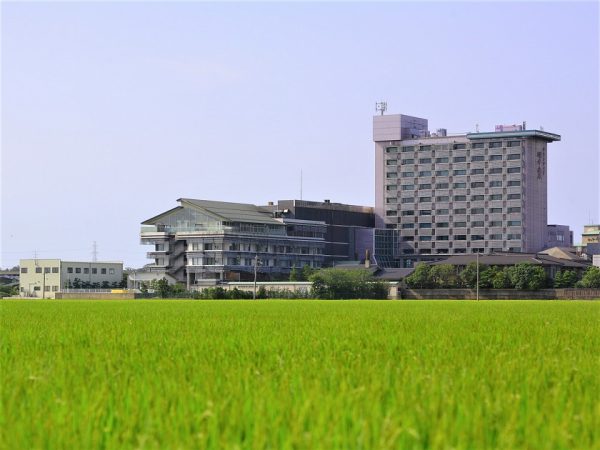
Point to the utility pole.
(255, 272)
(477, 290)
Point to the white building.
(45, 277)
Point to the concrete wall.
(97, 296)
(535, 181)
(500, 294)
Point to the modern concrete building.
(45, 277)
(558, 236)
(590, 240)
(453, 194)
(348, 228)
(202, 241)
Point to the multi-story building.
(348, 228)
(45, 277)
(452, 194)
(590, 240)
(558, 236)
(209, 240)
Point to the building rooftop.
(232, 212)
(515, 134)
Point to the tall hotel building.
(468, 193)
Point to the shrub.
(420, 278)
(338, 284)
(591, 278)
(526, 276)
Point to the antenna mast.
(381, 107)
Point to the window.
(36, 288)
(94, 270)
(425, 161)
(424, 225)
(424, 238)
(407, 200)
(389, 162)
(495, 144)
(514, 196)
(478, 145)
(477, 158)
(407, 174)
(103, 271)
(496, 183)
(513, 236)
(407, 187)
(391, 150)
(425, 212)
(55, 288)
(459, 159)
(69, 270)
(460, 237)
(408, 148)
(460, 211)
(425, 173)
(442, 211)
(514, 144)
(459, 146)
(514, 209)
(442, 251)
(425, 199)
(38, 270)
(513, 223)
(86, 270)
(460, 198)
(392, 213)
(513, 170)
(495, 170)
(477, 237)
(442, 198)
(477, 184)
(425, 186)
(496, 197)
(459, 185)
(46, 269)
(47, 288)
(111, 271)
(425, 148)
(496, 237)
(476, 198)
(77, 269)
(442, 225)
(495, 157)
(408, 238)
(477, 223)
(408, 251)
(513, 156)
(391, 175)
(476, 171)
(476, 210)
(55, 270)
(460, 250)
(496, 223)
(460, 224)
(23, 269)
(406, 226)
(495, 210)
(514, 249)
(441, 185)
(460, 172)
(513, 183)
(408, 161)
(441, 238)
(391, 187)
(442, 160)
(387, 200)
(408, 213)
(441, 173)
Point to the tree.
(487, 275)
(468, 276)
(569, 278)
(558, 280)
(420, 278)
(443, 276)
(340, 283)
(591, 278)
(307, 271)
(526, 276)
(294, 274)
(162, 287)
(501, 279)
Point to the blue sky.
(112, 111)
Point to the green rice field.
(299, 374)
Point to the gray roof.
(509, 259)
(233, 212)
(394, 274)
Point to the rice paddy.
(299, 374)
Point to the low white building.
(43, 278)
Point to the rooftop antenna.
(94, 252)
(381, 107)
